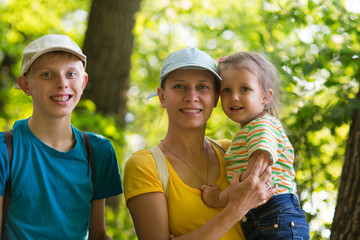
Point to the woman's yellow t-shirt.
(187, 211)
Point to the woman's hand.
(253, 190)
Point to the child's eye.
(226, 90)
(245, 89)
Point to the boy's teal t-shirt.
(51, 190)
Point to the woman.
(189, 92)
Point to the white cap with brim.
(46, 44)
(187, 58)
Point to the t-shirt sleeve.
(141, 175)
(264, 135)
(107, 174)
(4, 166)
(225, 143)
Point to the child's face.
(55, 82)
(242, 97)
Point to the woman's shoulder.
(140, 158)
(223, 143)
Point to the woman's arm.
(150, 214)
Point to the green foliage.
(314, 43)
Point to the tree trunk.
(346, 224)
(108, 45)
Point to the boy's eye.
(71, 74)
(245, 89)
(46, 74)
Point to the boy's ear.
(24, 85)
(161, 96)
(86, 78)
(267, 98)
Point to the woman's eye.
(178, 86)
(204, 87)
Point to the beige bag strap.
(221, 149)
(162, 168)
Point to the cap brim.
(82, 57)
(190, 66)
(154, 94)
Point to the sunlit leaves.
(314, 43)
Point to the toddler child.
(248, 93)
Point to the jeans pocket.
(292, 224)
(262, 228)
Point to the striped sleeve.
(264, 135)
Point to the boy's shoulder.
(99, 143)
(96, 138)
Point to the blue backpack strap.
(90, 158)
(7, 197)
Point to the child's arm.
(97, 221)
(251, 162)
(213, 197)
(211, 194)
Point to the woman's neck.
(191, 142)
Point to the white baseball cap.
(46, 44)
(187, 58)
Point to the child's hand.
(210, 195)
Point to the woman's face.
(189, 97)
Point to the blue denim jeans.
(279, 218)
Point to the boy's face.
(55, 82)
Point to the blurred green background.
(315, 45)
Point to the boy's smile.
(61, 98)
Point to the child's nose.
(235, 97)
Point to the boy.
(52, 188)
